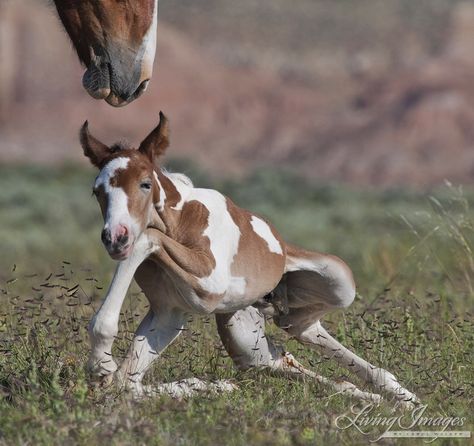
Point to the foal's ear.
(96, 151)
(156, 143)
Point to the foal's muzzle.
(117, 243)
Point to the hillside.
(364, 95)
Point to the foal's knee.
(102, 328)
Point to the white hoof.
(100, 367)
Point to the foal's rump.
(312, 285)
(312, 278)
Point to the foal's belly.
(236, 296)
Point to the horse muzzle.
(119, 245)
(117, 85)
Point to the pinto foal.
(193, 251)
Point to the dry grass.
(413, 315)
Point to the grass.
(413, 262)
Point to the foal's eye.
(146, 185)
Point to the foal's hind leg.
(316, 336)
(314, 285)
(243, 336)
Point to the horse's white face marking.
(263, 230)
(148, 45)
(224, 236)
(117, 200)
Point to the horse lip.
(123, 253)
(119, 101)
(96, 80)
(116, 101)
(101, 93)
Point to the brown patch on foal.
(262, 268)
(173, 197)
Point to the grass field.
(413, 262)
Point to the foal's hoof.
(101, 372)
(408, 404)
(102, 382)
(102, 367)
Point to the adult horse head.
(116, 41)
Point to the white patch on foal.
(183, 185)
(331, 269)
(161, 203)
(263, 230)
(224, 236)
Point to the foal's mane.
(119, 146)
(179, 177)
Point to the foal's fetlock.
(101, 368)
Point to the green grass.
(413, 262)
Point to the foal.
(194, 251)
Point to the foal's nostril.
(122, 239)
(105, 236)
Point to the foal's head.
(126, 187)
(115, 40)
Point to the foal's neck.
(173, 192)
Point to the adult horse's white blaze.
(148, 47)
(206, 255)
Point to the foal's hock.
(192, 250)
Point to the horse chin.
(115, 101)
(96, 81)
(123, 254)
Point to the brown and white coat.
(192, 250)
(116, 41)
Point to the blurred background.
(366, 92)
(332, 118)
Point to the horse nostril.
(141, 88)
(122, 239)
(105, 236)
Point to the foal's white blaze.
(224, 236)
(263, 230)
(117, 204)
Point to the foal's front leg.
(104, 325)
(155, 333)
